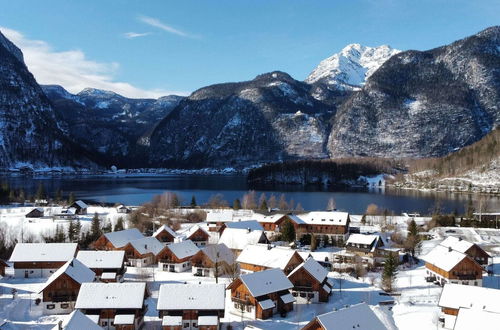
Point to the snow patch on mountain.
(349, 69)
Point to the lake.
(140, 189)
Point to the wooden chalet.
(117, 240)
(261, 294)
(176, 257)
(246, 224)
(446, 265)
(165, 234)
(472, 250)
(35, 213)
(104, 263)
(61, 289)
(114, 305)
(191, 306)
(258, 257)
(197, 235)
(217, 218)
(76, 320)
(41, 259)
(215, 259)
(370, 247)
(80, 207)
(3, 265)
(123, 209)
(454, 298)
(358, 316)
(142, 252)
(238, 238)
(310, 282)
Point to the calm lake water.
(137, 190)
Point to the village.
(77, 265)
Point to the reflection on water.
(137, 190)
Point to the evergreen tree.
(389, 273)
(95, 227)
(119, 224)
(22, 195)
(363, 219)
(59, 195)
(470, 209)
(40, 193)
(237, 204)
(107, 227)
(78, 229)
(71, 230)
(287, 231)
(12, 196)
(314, 243)
(263, 205)
(193, 201)
(412, 238)
(71, 198)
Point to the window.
(186, 325)
(51, 306)
(310, 295)
(195, 325)
(104, 323)
(64, 306)
(249, 308)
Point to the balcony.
(241, 301)
(63, 298)
(466, 277)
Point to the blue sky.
(149, 48)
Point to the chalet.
(117, 240)
(255, 258)
(103, 262)
(472, 250)
(3, 265)
(123, 209)
(77, 320)
(114, 305)
(197, 235)
(446, 265)
(40, 259)
(236, 239)
(142, 252)
(358, 316)
(261, 294)
(80, 207)
(247, 224)
(271, 222)
(215, 259)
(176, 257)
(474, 318)
(454, 298)
(332, 224)
(35, 213)
(310, 282)
(370, 247)
(165, 235)
(66, 214)
(216, 218)
(191, 306)
(61, 289)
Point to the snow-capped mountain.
(349, 69)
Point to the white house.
(40, 259)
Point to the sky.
(159, 47)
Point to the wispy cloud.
(154, 22)
(132, 35)
(72, 70)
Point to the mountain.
(349, 69)
(29, 134)
(272, 117)
(423, 103)
(115, 127)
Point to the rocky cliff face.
(272, 117)
(420, 104)
(113, 127)
(29, 133)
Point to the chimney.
(146, 246)
(459, 238)
(59, 325)
(248, 229)
(449, 249)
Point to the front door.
(26, 274)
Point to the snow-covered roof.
(457, 244)
(124, 319)
(456, 296)
(475, 318)
(220, 216)
(266, 304)
(183, 249)
(74, 269)
(248, 224)
(237, 239)
(268, 218)
(358, 316)
(43, 252)
(171, 321)
(108, 276)
(220, 252)
(147, 245)
(101, 259)
(76, 320)
(314, 268)
(164, 228)
(287, 298)
(325, 218)
(193, 229)
(111, 295)
(266, 255)
(191, 296)
(362, 239)
(123, 237)
(208, 320)
(267, 281)
(444, 258)
(81, 204)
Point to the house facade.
(310, 282)
(41, 259)
(117, 240)
(3, 265)
(142, 252)
(117, 306)
(176, 257)
(258, 257)
(165, 234)
(214, 260)
(197, 235)
(191, 306)
(472, 250)
(260, 295)
(104, 262)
